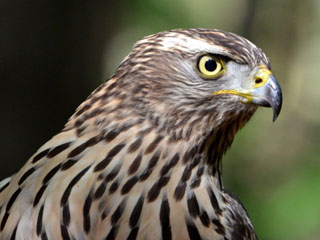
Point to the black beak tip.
(276, 105)
(275, 115)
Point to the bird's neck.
(188, 142)
(207, 136)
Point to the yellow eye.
(210, 66)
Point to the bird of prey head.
(141, 157)
(192, 69)
(196, 85)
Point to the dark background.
(54, 53)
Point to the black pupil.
(210, 65)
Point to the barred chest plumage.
(124, 182)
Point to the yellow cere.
(261, 76)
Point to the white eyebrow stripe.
(183, 42)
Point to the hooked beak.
(265, 92)
(269, 95)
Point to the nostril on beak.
(258, 80)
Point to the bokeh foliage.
(52, 55)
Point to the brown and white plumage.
(141, 157)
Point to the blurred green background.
(54, 53)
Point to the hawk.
(141, 156)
